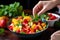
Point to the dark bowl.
(29, 35)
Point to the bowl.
(29, 35)
(51, 22)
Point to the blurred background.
(27, 4)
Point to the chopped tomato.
(25, 25)
(25, 22)
(2, 23)
(52, 18)
(10, 28)
(18, 31)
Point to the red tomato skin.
(2, 23)
(52, 18)
(18, 31)
(10, 28)
(25, 21)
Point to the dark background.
(27, 4)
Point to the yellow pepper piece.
(33, 26)
(28, 18)
(15, 28)
(40, 27)
(21, 20)
(43, 25)
(15, 21)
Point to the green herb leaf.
(22, 32)
(23, 14)
(11, 10)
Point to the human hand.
(43, 6)
(56, 35)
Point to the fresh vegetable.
(1, 31)
(48, 16)
(3, 21)
(27, 25)
(11, 10)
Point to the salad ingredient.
(1, 31)
(27, 26)
(3, 21)
(11, 10)
(48, 16)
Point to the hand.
(56, 35)
(43, 6)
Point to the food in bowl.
(50, 18)
(26, 25)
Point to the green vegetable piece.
(20, 9)
(37, 31)
(22, 33)
(5, 13)
(10, 14)
(1, 30)
(16, 4)
(1, 5)
(17, 24)
(23, 14)
(47, 18)
(11, 10)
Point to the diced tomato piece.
(24, 24)
(29, 31)
(10, 28)
(36, 27)
(18, 31)
(52, 18)
(40, 21)
(24, 29)
(25, 21)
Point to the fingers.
(42, 11)
(43, 6)
(37, 8)
(47, 5)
